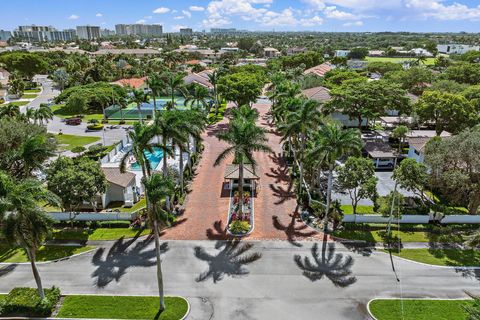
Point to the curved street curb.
(432, 265)
(47, 262)
(369, 311)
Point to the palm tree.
(198, 97)
(244, 138)
(166, 125)
(10, 110)
(24, 223)
(155, 84)
(43, 113)
(139, 97)
(191, 124)
(213, 78)
(157, 188)
(30, 115)
(330, 144)
(400, 133)
(246, 113)
(140, 138)
(297, 126)
(173, 82)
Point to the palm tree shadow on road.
(292, 230)
(327, 264)
(231, 260)
(7, 269)
(121, 256)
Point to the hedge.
(26, 302)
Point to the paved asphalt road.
(49, 92)
(224, 281)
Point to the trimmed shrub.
(239, 227)
(27, 303)
(114, 224)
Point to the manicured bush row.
(26, 302)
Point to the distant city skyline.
(253, 15)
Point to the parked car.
(73, 121)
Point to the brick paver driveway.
(206, 206)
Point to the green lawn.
(374, 236)
(116, 307)
(429, 61)
(68, 142)
(16, 103)
(36, 90)
(45, 253)
(29, 96)
(442, 257)
(97, 234)
(348, 209)
(119, 206)
(384, 309)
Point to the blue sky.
(279, 15)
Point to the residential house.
(342, 53)
(381, 153)
(456, 48)
(296, 50)
(319, 70)
(121, 187)
(418, 139)
(200, 78)
(271, 52)
(134, 83)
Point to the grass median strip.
(442, 257)
(121, 307)
(45, 253)
(98, 234)
(393, 309)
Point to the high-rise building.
(106, 33)
(5, 35)
(139, 29)
(88, 32)
(186, 32)
(223, 30)
(43, 33)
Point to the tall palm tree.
(400, 133)
(191, 124)
(244, 138)
(24, 223)
(166, 125)
(30, 115)
(297, 126)
(139, 97)
(173, 83)
(157, 188)
(155, 84)
(198, 97)
(330, 144)
(140, 138)
(214, 78)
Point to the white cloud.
(161, 10)
(353, 24)
(177, 27)
(196, 8)
(215, 22)
(99, 15)
(148, 17)
(187, 13)
(178, 18)
(311, 22)
(73, 17)
(333, 13)
(141, 21)
(438, 10)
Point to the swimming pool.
(155, 158)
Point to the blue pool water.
(155, 158)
